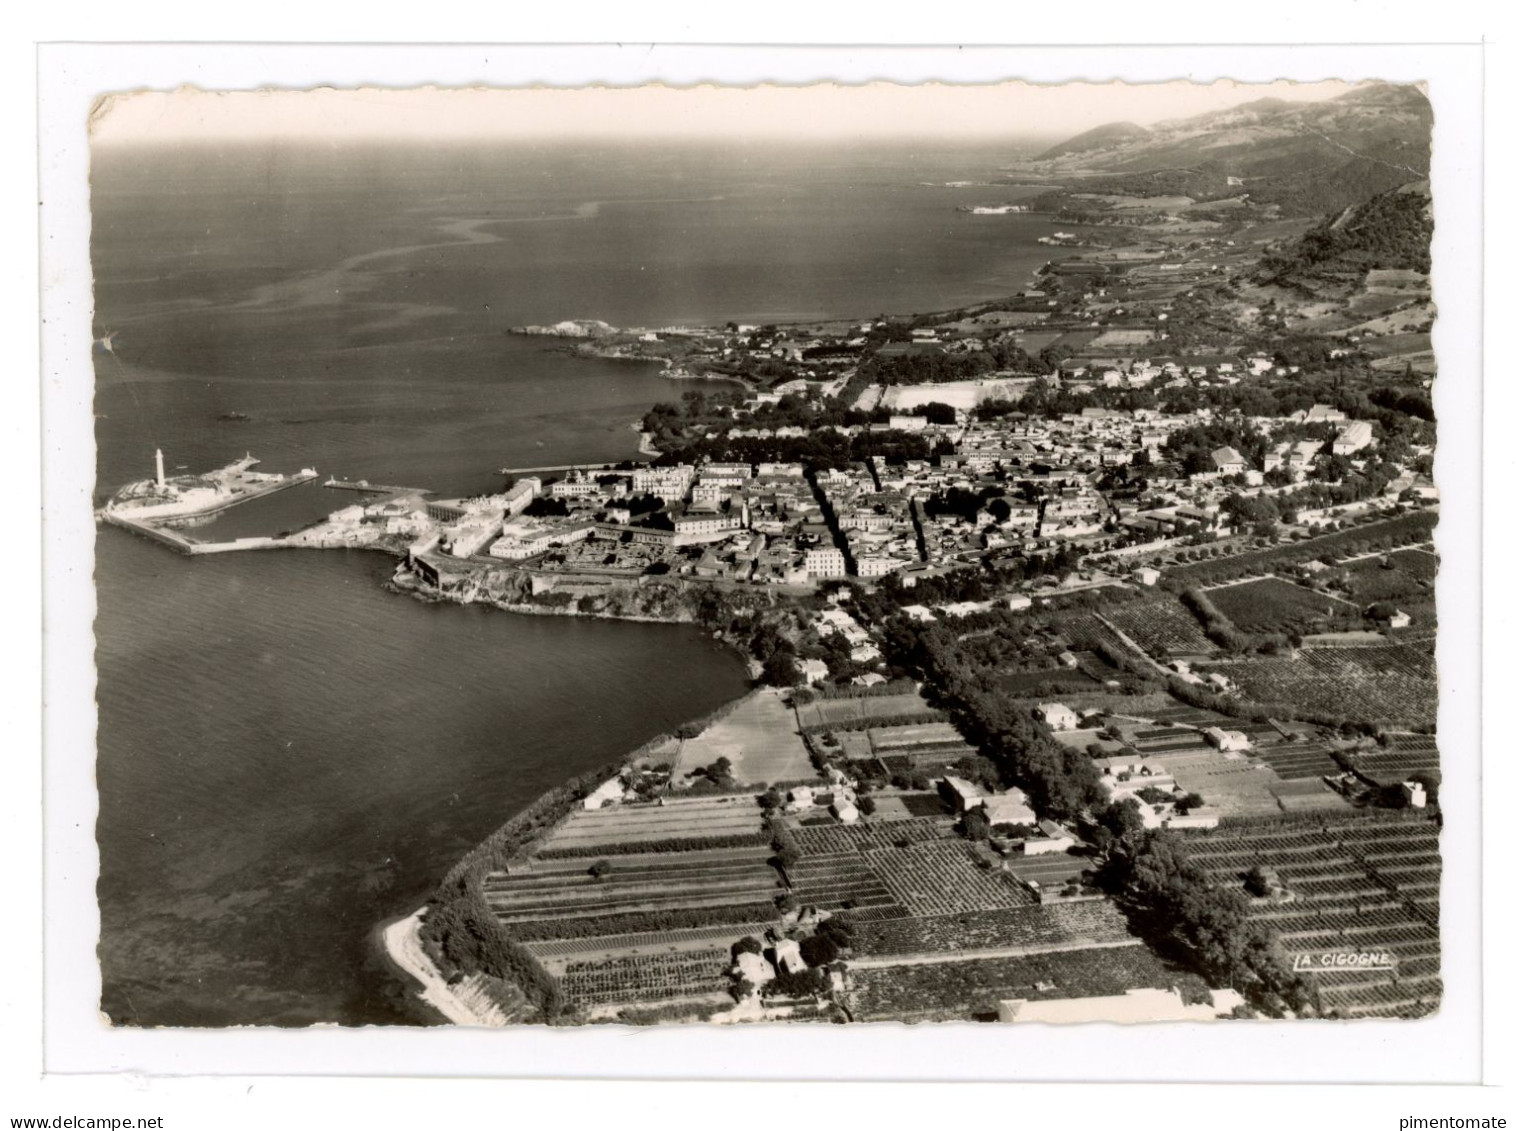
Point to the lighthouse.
(161, 483)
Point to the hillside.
(1389, 232)
(1101, 137)
(1304, 158)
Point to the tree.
(818, 950)
(1124, 822)
(838, 929)
(976, 824)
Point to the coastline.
(401, 939)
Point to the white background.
(1447, 1048)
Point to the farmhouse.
(813, 671)
(1009, 808)
(1354, 437)
(754, 968)
(1225, 740)
(1058, 716)
(787, 955)
(963, 795)
(1053, 838)
(1228, 461)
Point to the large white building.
(825, 562)
(669, 483)
(1354, 437)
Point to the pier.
(563, 467)
(372, 488)
(157, 527)
(171, 538)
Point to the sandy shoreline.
(464, 1004)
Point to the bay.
(288, 753)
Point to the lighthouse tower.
(161, 482)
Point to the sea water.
(287, 752)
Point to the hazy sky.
(874, 111)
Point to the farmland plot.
(1034, 927)
(862, 838)
(649, 978)
(1389, 765)
(1410, 575)
(638, 894)
(942, 877)
(1295, 760)
(902, 739)
(1162, 623)
(1364, 884)
(836, 712)
(759, 738)
(1272, 604)
(974, 987)
(1417, 525)
(694, 819)
(1396, 683)
(841, 881)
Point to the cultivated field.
(640, 904)
(1295, 760)
(832, 838)
(1364, 884)
(1393, 683)
(898, 740)
(651, 978)
(1410, 575)
(1162, 623)
(1121, 339)
(844, 712)
(1033, 927)
(923, 746)
(1272, 604)
(587, 831)
(942, 877)
(973, 988)
(759, 737)
(1389, 765)
(1417, 527)
(842, 881)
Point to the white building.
(1058, 716)
(1225, 740)
(1354, 437)
(813, 671)
(825, 562)
(1009, 808)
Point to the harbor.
(160, 507)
